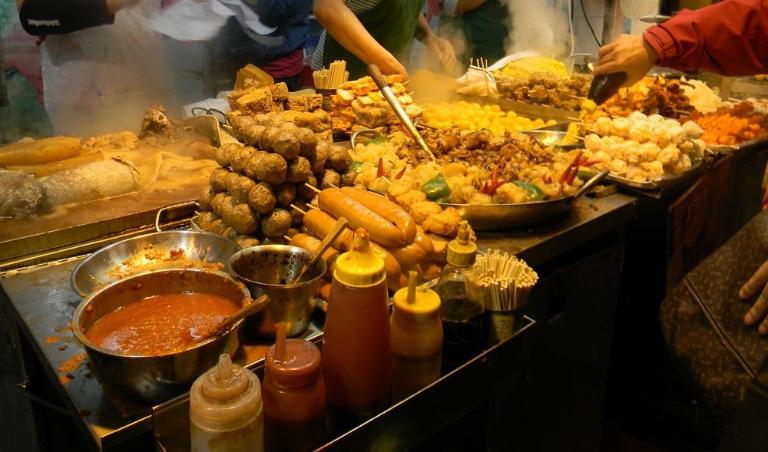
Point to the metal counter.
(43, 303)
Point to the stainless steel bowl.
(153, 379)
(151, 252)
(554, 138)
(266, 269)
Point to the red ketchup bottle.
(294, 395)
(357, 362)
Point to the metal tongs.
(386, 90)
(605, 85)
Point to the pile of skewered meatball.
(263, 186)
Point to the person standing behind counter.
(485, 24)
(727, 38)
(102, 64)
(374, 31)
(280, 53)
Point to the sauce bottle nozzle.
(225, 367)
(280, 344)
(412, 277)
(463, 235)
(461, 250)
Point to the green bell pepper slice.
(534, 192)
(436, 188)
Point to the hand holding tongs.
(386, 90)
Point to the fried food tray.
(729, 148)
(659, 184)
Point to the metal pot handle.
(590, 184)
(162, 210)
(353, 138)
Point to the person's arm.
(728, 38)
(442, 48)
(48, 17)
(341, 23)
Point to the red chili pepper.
(485, 188)
(591, 162)
(548, 179)
(567, 173)
(380, 172)
(495, 175)
(400, 173)
(572, 176)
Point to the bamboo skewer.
(503, 281)
(332, 77)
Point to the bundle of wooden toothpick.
(502, 280)
(333, 77)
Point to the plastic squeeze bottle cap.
(461, 250)
(417, 302)
(360, 266)
(292, 362)
(225, 398)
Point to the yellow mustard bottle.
(356, 347)
(417, 339)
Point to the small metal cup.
(267, 269)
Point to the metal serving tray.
(658, 184)
(729, 148)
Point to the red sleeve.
(730, 38)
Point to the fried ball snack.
(285, 194)
(272, 168)
(238, 215)
(348, 178)
(317, 163)
(307, 142)
(225, 153)
(218, 179)
(298, 171)
(304, 191)
(330, 179)
(297, 218)
(339, 158)
(261, 199)
(241, 157)
(246, 241)
(276, 224)
(281, 141)
(205, 197)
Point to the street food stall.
(318, 213)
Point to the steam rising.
(539, 27)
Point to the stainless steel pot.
(151, 252)
(265, 269)
(153, 379)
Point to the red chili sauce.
(160, 324)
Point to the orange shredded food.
(732, 125)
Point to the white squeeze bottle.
(225, 410)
